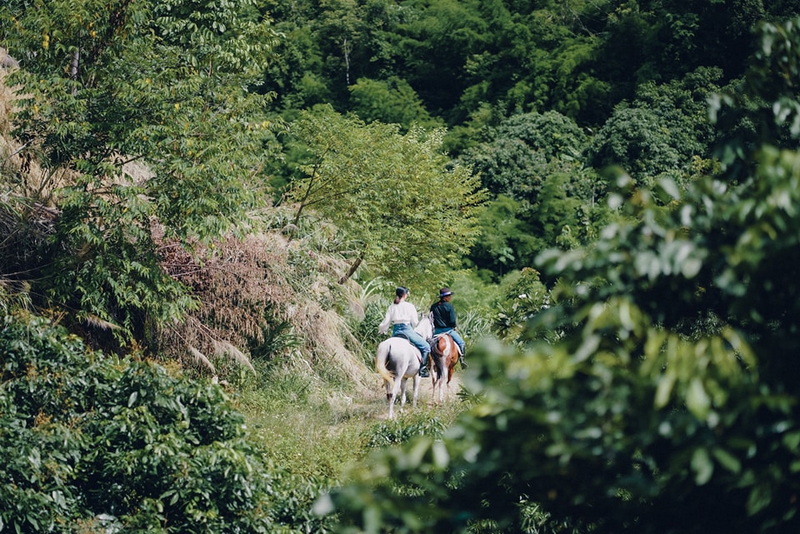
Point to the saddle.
(401, 335)
(436, 338)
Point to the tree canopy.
(408, 215)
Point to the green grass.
(313, 430)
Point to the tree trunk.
(74, 64)
(351, 271)
(346, 50)
(73, 68)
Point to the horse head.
(425, 326)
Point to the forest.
(206, 207)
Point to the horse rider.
(402, 315)
(444, 320)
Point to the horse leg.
(440, 366)
(444, 384)
(416, 389)
(442, 363)
(440, 385)
(390, 396)
(450, 371)
(436, 375)
(403, 392)
(452, 360)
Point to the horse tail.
(384, 352)
(438, 360)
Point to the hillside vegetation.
(206, 207)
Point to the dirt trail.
(377, 396)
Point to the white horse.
(397, 360)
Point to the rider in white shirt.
(403, 317)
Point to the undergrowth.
(318, 433)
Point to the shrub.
(94, 441)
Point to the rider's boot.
(423, 368)
(462, 361)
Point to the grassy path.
(321, 433)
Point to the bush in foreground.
(91, 442)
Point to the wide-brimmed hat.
(445, 292)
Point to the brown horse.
(444, 356)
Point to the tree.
(670, 401)
(405, 211)
(505, 241)
(536, 159)
(433, 48)
(661, 131)
(109, 84)
(329, 46)
(523, 149)
(391, 101)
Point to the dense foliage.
(553, 162)
(407, 214)
(579, 58)
(112, 84)
(94, 442)
(669, 403)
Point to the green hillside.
(206, 208)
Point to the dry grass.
(247, 286)
(239, 285)
(333, 346)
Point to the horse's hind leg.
(390, 397)
(437, 386)
(403, 392)
(441, 380)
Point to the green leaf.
(759, 498)
(666, 383)
(727, 460)
(697, 400)
(702, 466)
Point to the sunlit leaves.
(390, 101)
(410, 217)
